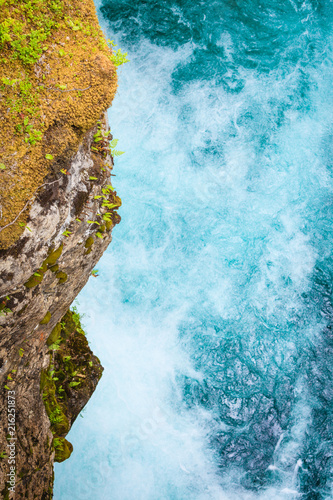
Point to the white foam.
(202, 235)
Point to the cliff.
(58, 208)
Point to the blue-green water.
(213, 310)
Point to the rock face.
(69, 228)
(57, 210)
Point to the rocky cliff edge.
(57, 210)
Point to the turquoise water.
(213, 312)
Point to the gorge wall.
(58, 209)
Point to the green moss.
(61, 375)
(55, 411)
(67, 326)
(54, 335)
(43, 380)
(89, 242)
(88, 251)
(54, 268)
(54, 256)
(43, 267)
(38, 276)
(102, 228)
(76, 318)
(46, 318)
(62, 277)
(63, 449)
(60, 381)
(35, 279)
(109, 225)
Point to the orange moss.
(47, 106)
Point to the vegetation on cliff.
(70, 379)
(57, 210)
(57, 75)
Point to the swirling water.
(213, 312)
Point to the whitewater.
(212, 313)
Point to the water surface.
(212, 313)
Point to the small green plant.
(56, 416)
(74, 384)
(8, 81)
(67, 233)
(55, 346)
(3, 454)
(58, 444)
(99, 136)
(77, 318)
(56, 6)
(117, 57)
(49, 157)
(101, 139)
(21, 224)
(5, 311)
(113, 151)
(2, 166)
(21, 352)
(94, 273)
(34, 136)
(109, 205)
(26, 48)
(107, 189)
(74, 25)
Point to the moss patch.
(109, 225)
(35, 279)
(62, 277)
(48, 263)
(54, 255)
(63, 449)
(54, 335)
(70, 379)
(89, 242)
(46, 318)
(56, 79)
